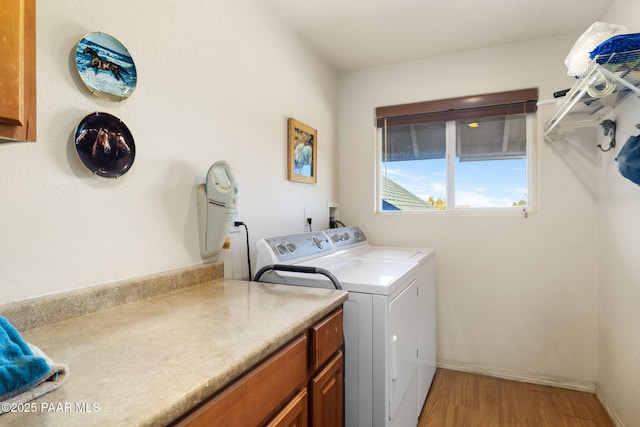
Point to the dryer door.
(403, 360)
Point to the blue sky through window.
(488, 183)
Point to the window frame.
(531, 178)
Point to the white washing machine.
(381, 341)
(352, 242)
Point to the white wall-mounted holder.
(217, 204)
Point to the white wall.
(516, 297)
(619, 255)
(619, 277)
(216, 80)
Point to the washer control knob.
(317, 242)
(291, 247)
(281, 248)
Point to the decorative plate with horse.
(106, 67)
(105, 145)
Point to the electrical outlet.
(236, 218)
(307, 214)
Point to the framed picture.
(303, 140)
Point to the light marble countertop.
(150, 361)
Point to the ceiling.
(353, 34)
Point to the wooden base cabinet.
(300, 385)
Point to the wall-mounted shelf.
(609, 80)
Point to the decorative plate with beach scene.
(106, 67)
(105, 145)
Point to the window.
(457, 155)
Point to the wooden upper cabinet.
(18, 70)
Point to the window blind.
(462, 108)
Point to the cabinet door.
(295, 414)
(17, 70)
(326, 395)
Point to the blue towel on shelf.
(19, 368)
(629, 159)
(617, 49)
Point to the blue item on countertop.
(19, 368)
(614, 50)
(629, 159)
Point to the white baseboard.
(520, 376)
(605, 402)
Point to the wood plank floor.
(459, 399)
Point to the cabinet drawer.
(326, 339)
(254, 397)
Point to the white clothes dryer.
(351, 242)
